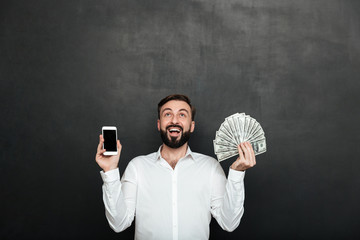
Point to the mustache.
(174, 125)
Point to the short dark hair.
(177, 97)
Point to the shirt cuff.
(110, 176)
(236, 176)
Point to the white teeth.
(174, 130)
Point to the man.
(174, 191)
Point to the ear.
(192, 127)
(158, 124)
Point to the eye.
(182, 115)
(167, 114)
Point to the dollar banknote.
(236, 129)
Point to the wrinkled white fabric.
(172, 203)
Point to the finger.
(100, 152)
(101, 141)
(241, 154)
(99, 155)
(249, 148)
(246, 151)
(251, 153)
(119, 147)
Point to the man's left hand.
(246, 157)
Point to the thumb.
(241, 153)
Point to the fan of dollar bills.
(236, 129)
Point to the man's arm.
(119, 196)
(228, 195)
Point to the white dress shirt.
(173, 203)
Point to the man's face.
(175, 124)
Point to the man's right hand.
(107, 163)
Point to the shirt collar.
(189, 153)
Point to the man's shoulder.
(141, 159)
(204, 158)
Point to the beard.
(172, 142)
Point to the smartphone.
(110, 137)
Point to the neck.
(173, 155)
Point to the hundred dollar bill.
(241, 120)
(225, 128)
(223, 136)
(250, 127)
(257, 139)
(250, 123)
(259, 146)
(235, 119)
(254, 128)
(222, 148)
(236, 129)
(257, 135)
(226, 155)
(232, 127)
(220, 141)
(246, 126)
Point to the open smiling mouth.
(174, 131)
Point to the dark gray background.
(69, 67)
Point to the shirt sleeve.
(227, 198)
(119, 197)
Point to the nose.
(174, 119)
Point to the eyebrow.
(182, 109)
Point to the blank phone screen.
(110, 140)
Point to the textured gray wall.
(69, 67)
